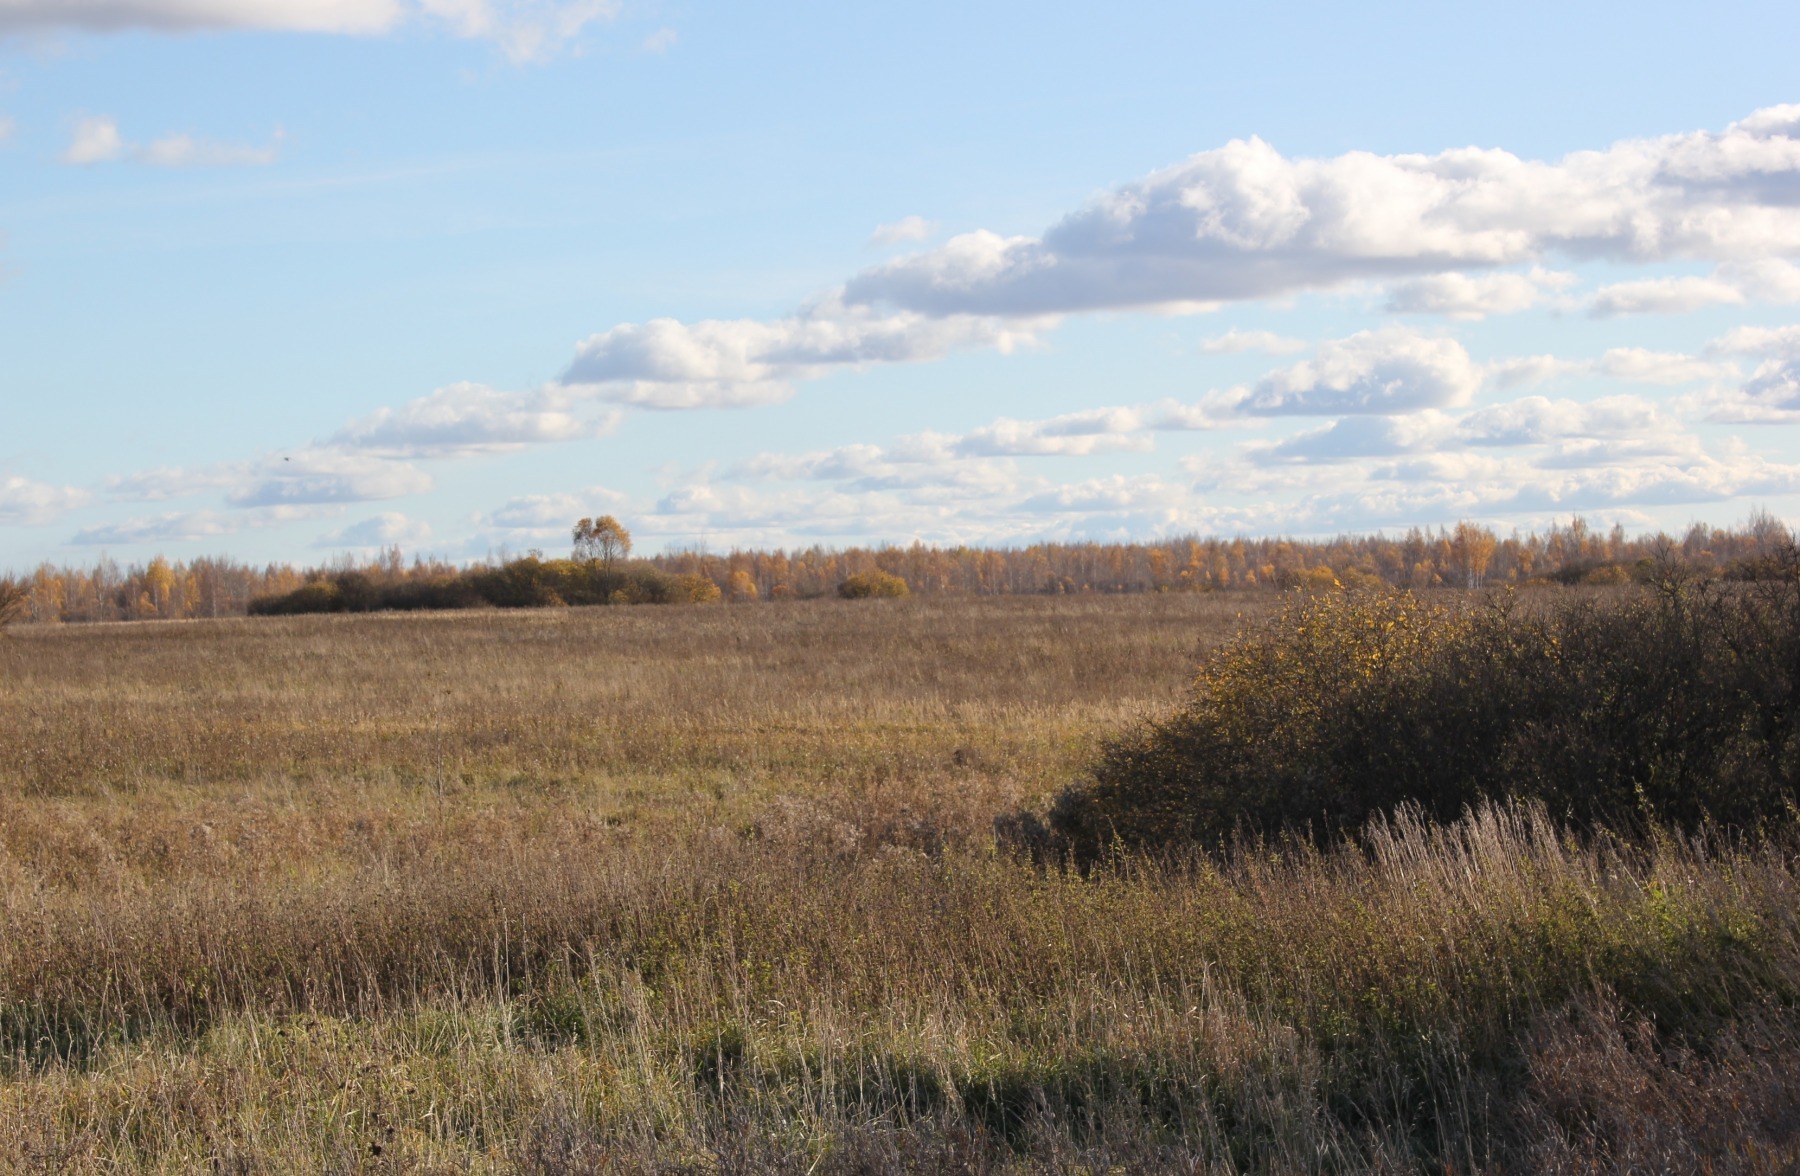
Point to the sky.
(293, 279)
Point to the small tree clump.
(1679, 703)
(872, 584)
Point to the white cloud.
(1663, 296)
(25, 503)
(323, 475)
(388, 529)
(525, 30)
(661, 41)
(1267, 342)
(555, 512)
(97, 140)
(174, 527)
(184, 526)
(1535, 420)
(1244, 221)
(301, 478)
(909, 228)
(1757, 341)
(1735, 283)
(313, 16)
(467, 419)
(1524, 370)
(1771, 395)
(1770, 279)
(187, 151)
(1350, 438)
(1074, 434)
(166, 482)
(1632, 364)
(1657, 367)
(731, 363)
(1387, 371)
(1465, 296)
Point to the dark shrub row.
(520, 583)
(1674, 701)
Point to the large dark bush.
(1674, 701)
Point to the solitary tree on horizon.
(604, 539)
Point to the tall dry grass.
(712, 890)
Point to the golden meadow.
(706, 888)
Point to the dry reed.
(713, 890)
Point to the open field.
(714, 889)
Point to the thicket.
(1673, 703)
(521, 583)
(873, 584)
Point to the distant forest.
(1465, 556)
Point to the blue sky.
(285, 278)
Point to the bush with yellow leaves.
(1679, 702)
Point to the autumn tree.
(14, 597)
(604, 539)
(1472, 550)
(740, 587)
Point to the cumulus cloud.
(1525, 370)
(661, 41)
(1244, 221)
(1769, 279)
(466, 419)
(558, 512)
(1267, 342)
(312, 16)
(25, 503)
(94, 140)
(1630, 364)
(1663, 296)
(173, 527)
(322, 475)
(1350, 438)
(1385, 372)
(1465, 296)
(1656, 367)
(908, 228)
(1074, 434)
(1771, 394)
(97, 140)
(1447, 234)
(388, 529)
(524, 29)
(668, 364)
(1536, 420)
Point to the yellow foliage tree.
(604, 539)
(740, 588)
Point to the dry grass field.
(714, 889)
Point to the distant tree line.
(602, 572)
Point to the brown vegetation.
(1677, 702)
(1466, 556)
(709, 889)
